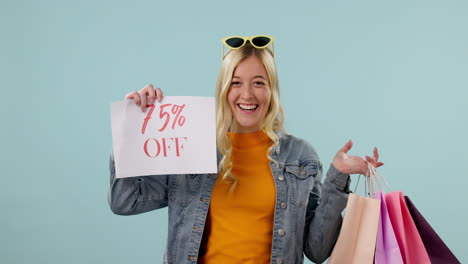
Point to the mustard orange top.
(239, 224)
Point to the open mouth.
(248, 107)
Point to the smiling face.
(249, 95)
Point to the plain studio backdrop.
(391, 74)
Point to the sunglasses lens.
(234, 42)
(261, 41)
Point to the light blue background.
(391, 74)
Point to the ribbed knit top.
(239, 224)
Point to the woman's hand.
(147, 95)
(354, 164)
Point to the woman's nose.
(247, 92)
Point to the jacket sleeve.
(323, 216)
(136, 195)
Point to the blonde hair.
(274, 117)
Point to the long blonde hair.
(274, 118)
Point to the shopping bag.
(438, 252)
(386, 246)
(387, 250)
(407, 235)
(356, 242)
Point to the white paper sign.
(174, 136)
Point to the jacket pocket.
(183, 188)
(301, 177)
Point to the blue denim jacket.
(307, 217)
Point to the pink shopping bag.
(387, 250)
(407, 235)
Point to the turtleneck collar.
(248, 140)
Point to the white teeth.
(248, 106)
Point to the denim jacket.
(307, 217)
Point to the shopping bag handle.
(374, 181)
(375, 177)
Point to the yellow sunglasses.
(259, 42)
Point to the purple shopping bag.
(438, 252)
(387, 250)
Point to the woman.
(268, 204)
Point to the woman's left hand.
(354, 164)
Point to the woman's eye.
(259, 83)
(235, 83)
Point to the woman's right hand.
(146, 95)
